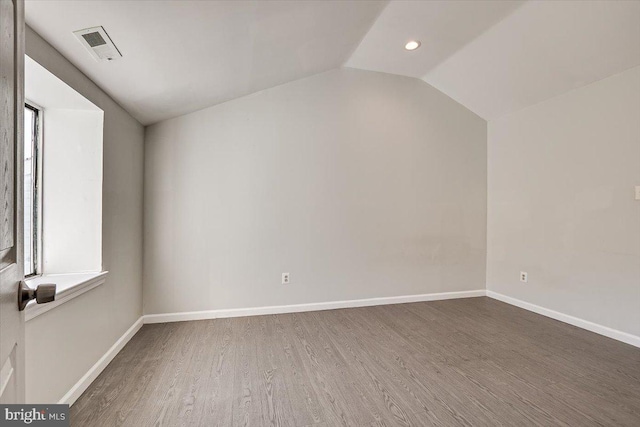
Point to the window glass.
(30, 200)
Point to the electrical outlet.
(524, 277)
(285, 278)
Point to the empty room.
(319, 213)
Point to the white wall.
(63, 343)
(359, 184)
(72, 191)
(561, 203)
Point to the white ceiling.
(543, 49)
(443, 27)
(181, 56)
(501, 56)
(494, 57)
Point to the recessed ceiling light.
(412, 45)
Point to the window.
(62, 219)
(32, 150)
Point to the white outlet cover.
(524, 277)
(286, 278)
(637, 192)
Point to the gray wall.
(561, 203)
(62, 344)
(359, 184)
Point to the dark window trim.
(36, 188)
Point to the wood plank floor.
(471, 361)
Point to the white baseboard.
(86, 380)
(575, 321)
(296, 308)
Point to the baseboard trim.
(575, 321)
(297, 308)
(86, 380)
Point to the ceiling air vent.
(98, 43)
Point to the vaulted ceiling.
(494, 57)
(182, 56)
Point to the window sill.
(69, 286)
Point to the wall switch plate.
(637, 192)
(285, 278)
(524, 276)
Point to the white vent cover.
(98, 43)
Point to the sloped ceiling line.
(493, 57)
